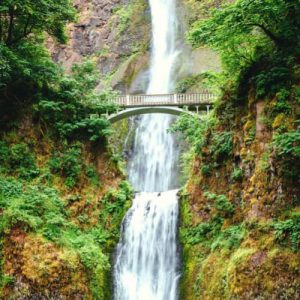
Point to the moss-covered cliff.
(62, 191)
(240, 225)
(61, 209)
(240, 222)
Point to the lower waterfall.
(147, 261)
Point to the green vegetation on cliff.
(62, 194)
(240, 225)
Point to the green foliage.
(26, 65)
(264, 162)
(237, 174)
(287, 147)
(18, 159)
(193, 129)
(92, 174)
(28, 205)
(76, 111)
(4, 281)
(282, 103)
(185, 84)
(297, 93)
(259, 45)
(272, 80)
(66, 107)
(221, 145)
(87, 247)
(221, 203)
(211, 235)
(39, 209)
(115, 203)
(68, 164)
(288, 232)
(213, 146)
(206, 169)
(20, 19)
(262, 26)
(197, 234)
(124, 15)
(287, 144)
(4, 153)
(67, 103)
(229, 238)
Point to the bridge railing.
(164, 99)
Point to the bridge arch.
(146, 110)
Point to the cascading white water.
(147, 262)
(146, 266)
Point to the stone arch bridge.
(174, 104)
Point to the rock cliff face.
(116, 33)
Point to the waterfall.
(146, 266)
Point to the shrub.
(85, 245)
(183, 85)
(229, 238)
(114, 205)
(39, 209)
(221, 203)
(124, 14)
(288, 232)
(197, 234)
(237, 174)
(282, 104)
(271, 81)
(287, 144)
(92, 174)
(206, 169)
(205, 232)
(297, 94)
(115, 200)
(73, 109)
(4, 152)
(29, 205)
(221, 145)
(69, 164)
(18, 159)
(193, 129)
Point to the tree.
(21, 18)
(247, 28)
(67, 104)
(25, 64)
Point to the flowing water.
(146, 266)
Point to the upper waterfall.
(154, 164)
(164, 52)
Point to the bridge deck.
(196, 99)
